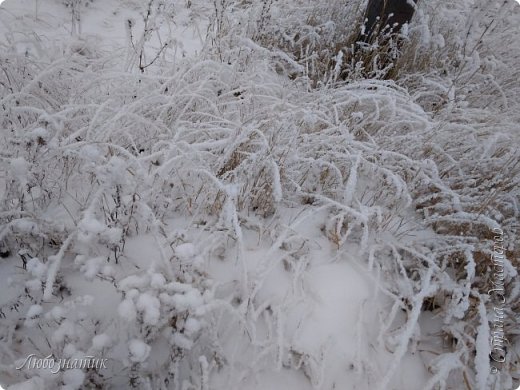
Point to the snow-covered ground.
(34, 25)
(187, 193)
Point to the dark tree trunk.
(390, 12)
(383, 18)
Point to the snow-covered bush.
(123, 185)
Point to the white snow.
(36, 267)
(182, 341)
(57, 313)
(127, 310)
(482, 364)
(100, 341)
(150, 306)
(139, 350)
(34, 310)
(92, 267)
(192, 326)
(73, 378)
(185, 251)
(157, 281)
(90, 225)
(35, 383)
(20, 168)
(219, 195)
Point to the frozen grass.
(409, 176)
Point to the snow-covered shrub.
(75, 191)
(122, 185)
(468, 148)
(322, 43)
